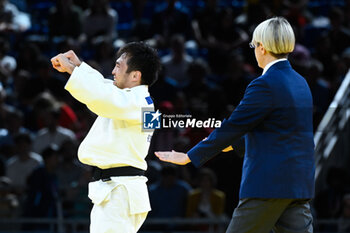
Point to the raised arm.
(103, 98)
(88, 86)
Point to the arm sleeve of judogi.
(88, 86)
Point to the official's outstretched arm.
(254, 107)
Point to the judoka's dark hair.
(141, 57)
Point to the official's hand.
(173, 157)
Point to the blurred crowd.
(207, 64)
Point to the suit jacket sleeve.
(88, 86)
(254, 107)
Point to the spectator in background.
(4, 108)
(22, 164)
(328, 202)
(68, 118)
(142, 16)
(37, 109)
(200, 94)
(65, 19)
(85, 119)
(28, 55)
(6, 139)
(225, 37)
(100, 20)
(253, 13)
(83, 4)
(344, 220)
(13, 125)
(162, 90)
(181, 106)
(204, 90)
(43, 103)
(2, 164)
(69, 169)
(236, 78)
(69, 44)
(9, 205)
(164, 138)
(105, 57)
(346, 9)
(138, 8)
(324, 52)
(51, 133)
(44, 79)
(297, 13)
(170, 192)
(320, 89)
(7, 63)
(301, 59)
(70, 173)
(206, 201)
(42, 189)
(339, 35)
(176, 63)
(345, 63)
(168, 22)
(205, 21)
(16, 91)
(11, 19)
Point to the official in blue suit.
(275, 115)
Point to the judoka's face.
(122, 79)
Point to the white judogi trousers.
(120, 205)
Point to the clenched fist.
(65, 62)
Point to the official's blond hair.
(276, 35)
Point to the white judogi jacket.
(116, 138)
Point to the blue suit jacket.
(275, 115)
